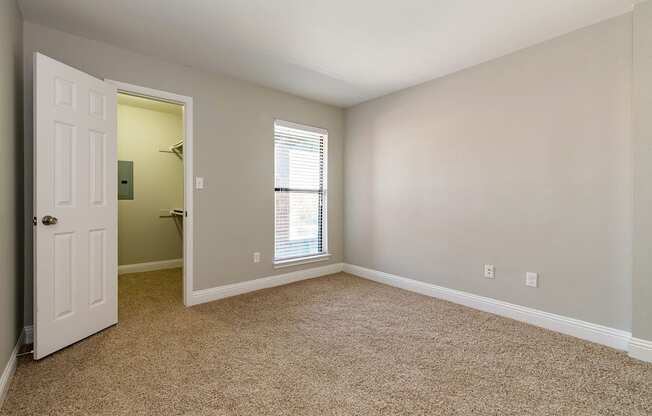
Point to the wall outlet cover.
(489, 271)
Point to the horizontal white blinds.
(300, 191)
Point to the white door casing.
(188, 173)
(75, 171)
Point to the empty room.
(326, 207)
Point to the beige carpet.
(336, 345)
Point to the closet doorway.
(154, 152)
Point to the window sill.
(303, 260)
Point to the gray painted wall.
(10, 179)
(523, 162)
(234, 214)
(642, 276)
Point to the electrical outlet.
(532, 279)
(489, 271)
(256, 257)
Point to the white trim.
(146, 92)
(640, 349)
(302, 260)
(150, 266)
(10, 370)
(29, 334)
(188, 173)
(599, 334)
(221, 292)
(298, 126)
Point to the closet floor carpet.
(336, 345)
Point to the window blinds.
(300, 190)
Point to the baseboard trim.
(29, 334)
(588, 331)
(640, 349)
(221, 292)
(10, 369)
(150, 266)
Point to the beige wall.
(523, 162)
(642, 276)
(143, 235)
(10, 180)
(234, 146)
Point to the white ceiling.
(339, 52)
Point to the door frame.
(188, 172)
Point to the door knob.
(49, 220)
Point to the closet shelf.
(176, 212)
(171, 213)
(176, 148)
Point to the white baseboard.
(10, 369)
(599, 334)
(221, 292)
(29, 334)
(150, 266)
(640, 349)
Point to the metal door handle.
(49, 220)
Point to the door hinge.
(34, 221)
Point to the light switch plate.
(256, 257)
(532, 279)
(199, 182)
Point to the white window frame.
(325, 255)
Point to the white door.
(75, 205)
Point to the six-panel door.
(75, 170)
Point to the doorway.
(76, 205)
(155, 172)
(150, 189)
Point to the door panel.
(63, 278)
(75, 170)
(97, 276)
(98, 167)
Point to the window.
(300, 165)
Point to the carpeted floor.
(336, 345)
